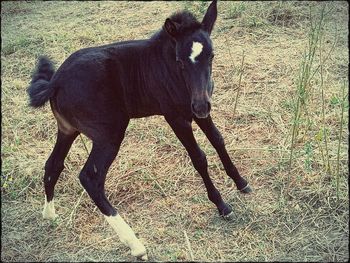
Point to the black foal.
(97, 90)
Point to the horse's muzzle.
(201, 109)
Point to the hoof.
(139, 251)
(127, 236)
(49, 216)
(225, 211)
(229, 216)
(143, 258)
(246, 189)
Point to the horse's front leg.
(183, 131)
(216, 139)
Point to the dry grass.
(152, 182)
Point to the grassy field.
(285, 124)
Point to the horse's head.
(194, 55)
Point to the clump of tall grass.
(342, 105)
(303, 83)
(312, 66)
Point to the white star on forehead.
(197, 48)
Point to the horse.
(97, 90)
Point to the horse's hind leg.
(93, 176)
(53, 168)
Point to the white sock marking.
(49, 210)
(127, 236)
(196, 50)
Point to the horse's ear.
(171, 27)
(210, 17)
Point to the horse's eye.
(180, 63)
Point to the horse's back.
(88, 91)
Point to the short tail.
(40, 90)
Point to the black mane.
(187, 23)
(186, 20)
